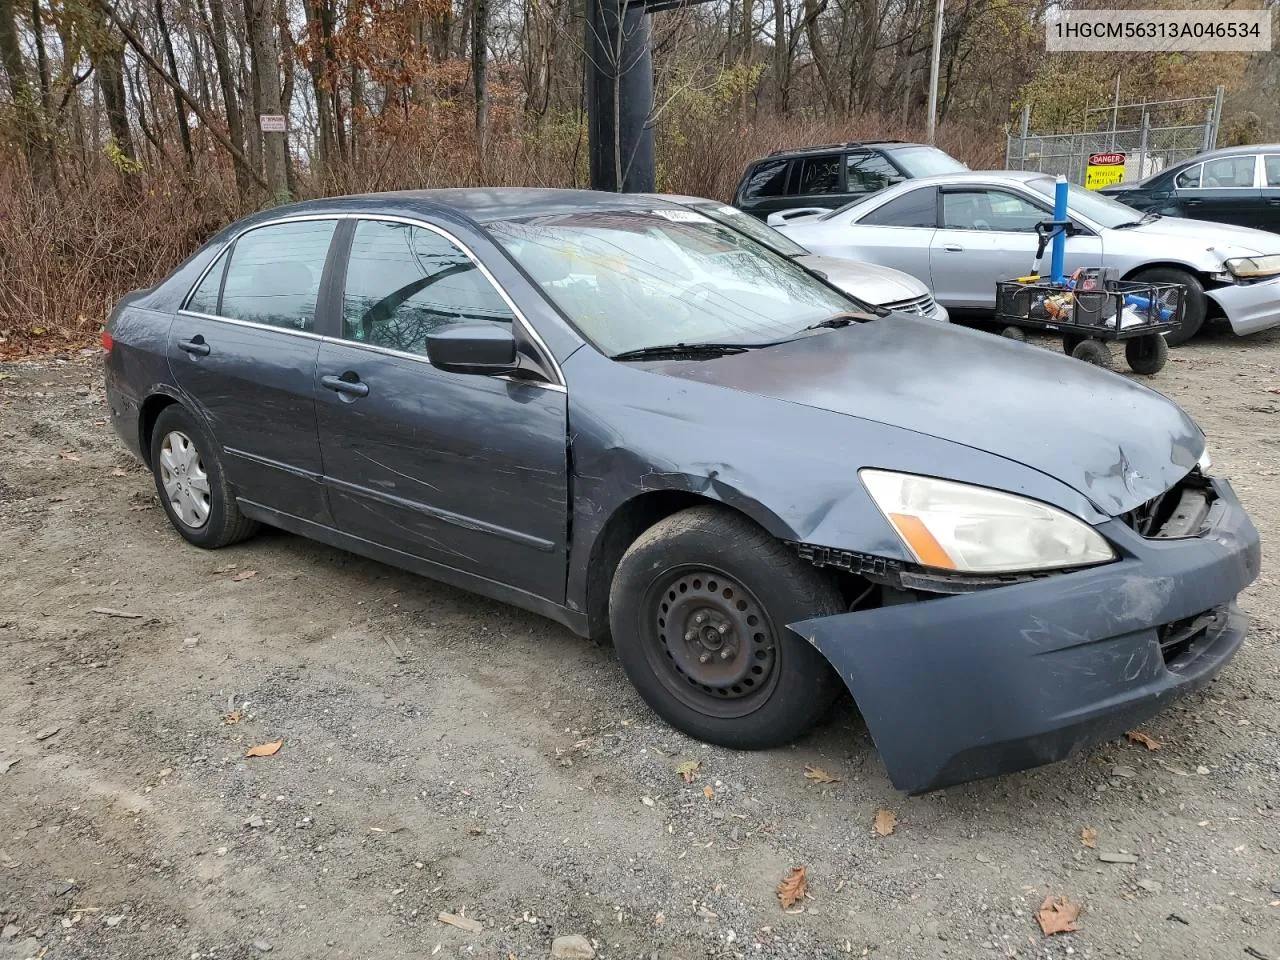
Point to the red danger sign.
(1106, 160)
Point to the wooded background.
(129, 129)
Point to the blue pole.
(1060, 235)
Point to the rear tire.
(1095, 352)
(1014, 333)
(190, 483)
(1147, 355)
(1196, 303)
(699, 610)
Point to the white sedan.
(960, 233)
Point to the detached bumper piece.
(990, 682)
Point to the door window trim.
(519, 318)
(1257, 161)
(937, 210)
(1266, 184)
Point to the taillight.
(107, 341)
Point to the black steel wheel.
(1070, 341)
(699, 610)
(1147, 355)
(1095, 352)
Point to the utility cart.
(1089, 310)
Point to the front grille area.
(923, 306)
(1177, 637)
(1178, 512)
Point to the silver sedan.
(962, 232)
(871, 283)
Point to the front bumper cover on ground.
(962, 687)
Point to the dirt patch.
(444, 753)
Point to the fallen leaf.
(58, 499)
(68, 455)
(117, 472)
(792, 889)
(1057, 915)
(1148, 741)
(1089, 837)
(244, 575)
(462, 923)
(233, 717)
(818, 775)
(688, 770)
(708, 793)
(886, 822)
(265, 749)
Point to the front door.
(1227, 191)
(987, 235)
(244, 351)
(462, 470)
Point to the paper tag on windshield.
(682, 216)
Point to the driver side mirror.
(485, 348)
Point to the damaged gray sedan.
(651, 427)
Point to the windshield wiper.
(836, 321)
(1151, 217)
(682, 351)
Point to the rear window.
(767, 179)
(917, 208)
(923, 161)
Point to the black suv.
(1238, 185)
(832, 175)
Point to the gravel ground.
(446, 753)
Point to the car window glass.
(404, 282)
(768, 179)
(204, 299)
(1228, 172)
(866, 172)
(917, 208)
(1273, 171)
(990, 210)
(1188, 179)
(820, 174)
(274, 274)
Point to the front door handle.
(195, 347)
(1274, 201)
(1192, 202)
(952, 248)
(348, 385)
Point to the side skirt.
(577, 622)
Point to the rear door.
(1270, 215)
(244, 350)
(866, 172)
(764, 187)
(463, 470)
(987, 234)
(1225, 191)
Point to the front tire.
(1196, 303)
(191, 484)
(699, 609)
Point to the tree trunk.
(227, 84)
(479, 70)
(109, 66)
(781, 57)
(266, 82)
(33, 126)
(184, 130)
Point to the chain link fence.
(1152, 136)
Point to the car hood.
(1224, 239)
(867, 281)
(1114, 441)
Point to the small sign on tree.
(271, 122)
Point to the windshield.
(753, 228)
(924, 161)
(1103, 211)
(630, 280)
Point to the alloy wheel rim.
(184, 479)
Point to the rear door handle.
(350, 388)
(195, 347)
(953, 248)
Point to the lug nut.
(690, 636)
(726, 653)
(699, 618)
(722, 629)
(705, 658)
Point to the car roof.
(1234, 151)
(829, 147)
(481, 205)
(971, 176)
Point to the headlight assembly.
(1253, 268)
(956, 526)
